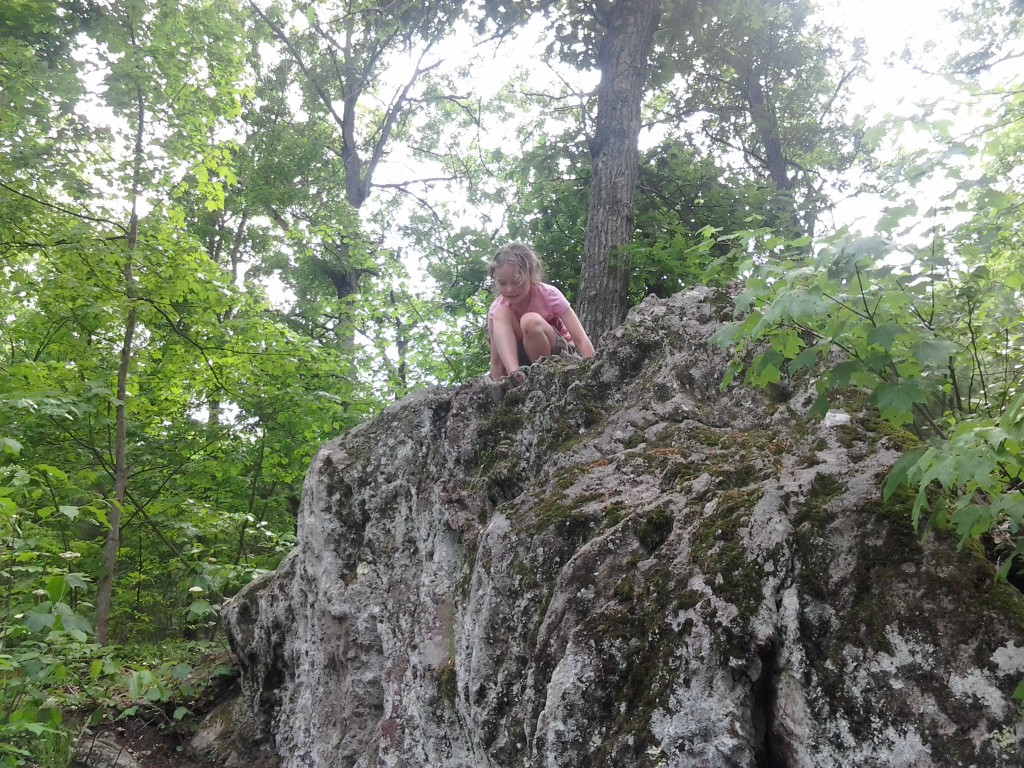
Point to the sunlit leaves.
(923, 318)
(221, 404)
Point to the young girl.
(528, 319)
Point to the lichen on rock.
(622, 564)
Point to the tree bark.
(766, 123)
(623, 60)
(105, 588)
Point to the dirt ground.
(151, 745)
(156, 740)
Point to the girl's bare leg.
(505, 335)
(539, 338)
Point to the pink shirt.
(546, 300)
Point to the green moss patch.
(718, 551)
(447, 682)
(636, 631)
(655, 528)
(572, 515)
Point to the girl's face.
(510, 283)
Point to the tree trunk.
(105, 589)
(762, 115)
(622, 59)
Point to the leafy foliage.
(923, 317)
(50, 665)
(934, 343)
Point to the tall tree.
(145, 79)
(616, 37)
(622, 57)
(344, 58)
(766, 83)
(100, 260)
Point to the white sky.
(892, 86)
(888, 27)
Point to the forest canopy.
(231, 230)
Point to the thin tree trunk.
(767, 127)
(762, 114)
(253, 488)
(105, 589)
(622, 58)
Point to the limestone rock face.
(620, 564)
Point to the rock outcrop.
(620, 564)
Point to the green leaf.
(884, 335)
(39, 618)
(804, 304)
(1018, 692)
(901, 472)
(934, 352)
(873, 246)
(76, 580)
(896, 400)
(726, 334)
(765, 369)
(841, 373)
(100, 514)
(820, 407)
(201, 608)
(735, 367)
(46, 469)
(138, 682)
(972, 520)
(920, 505)
(807, 358)
(156, 693)
(72, 621)
(788, 343)
(69, 511)
(1007, 564)
(894, 214)
(1013, 412)
(56, 587)
(9, 446)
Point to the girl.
(528, 319)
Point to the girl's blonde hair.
(523, 258)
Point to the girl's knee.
(503, 314)
(532, 322)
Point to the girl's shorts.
(564, 347)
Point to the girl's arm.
(579, 336)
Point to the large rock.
(623, 565)
(229, 737)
